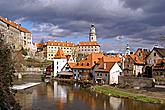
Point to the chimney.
(105, 65)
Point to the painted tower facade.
(92, 34)
(127, 51)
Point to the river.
(54, 96)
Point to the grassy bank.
(122, 94)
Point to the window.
(82, 64)
(128, 59)
(87, 64)
(154, 54)
(57, 63)
(100, 74)
(57, 67)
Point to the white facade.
(58, 65)
(137, 69)
(152, 58)
(27, 40)
(114, 74)
(92, 34)
(83, 49)
(17, 35)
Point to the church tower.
(127, 51)
(92, 34)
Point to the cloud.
(134, 21)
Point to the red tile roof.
(71, 64)
(88, 44)
(89, 61)
(160, 64)
(17, 26)
(107, 68)
(54, 43)
(60, 55)
(112, 59)
(39, 45)
(135, 58)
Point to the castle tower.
(127, 51)
(92, 34)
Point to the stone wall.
(135, 81)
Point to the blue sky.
(137, 22)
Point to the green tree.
(7, 101)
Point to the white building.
(17, 35)
(89, 47)
(114, 73)
(107, 72)
(92, 34)
(59, 61)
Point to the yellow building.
(51, 48)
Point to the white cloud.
(20, 20)
(47, 28)
(116, 8)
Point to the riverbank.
(83, 84)
(123, 93)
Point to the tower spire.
(92, 33)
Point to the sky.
(139, 23)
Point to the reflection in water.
(115, 102)
(60, 97)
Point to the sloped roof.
(71, 64)
(111, 59)
(89, 61)
(160, 64)
(135, 58)
(88, 44)
(160, 51)
(144, 52)
(39, 45)
(60, 55)
(108, 66)
(17, 26)
(55, 43)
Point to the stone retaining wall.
(136, 81)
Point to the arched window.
(87, 64)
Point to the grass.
(36, 63)
(122, 94)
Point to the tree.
(7, 101)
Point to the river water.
(54, 96)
